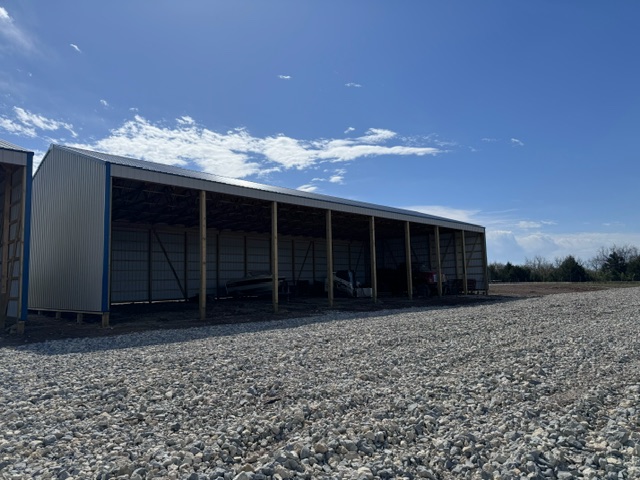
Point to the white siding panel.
(67, 249)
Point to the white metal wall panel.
(259, 254)
(129, 265)
(448, 254)
(231, 256)
(475, 259)
(167, 251)
(67, 242)
(304, 260)
(285, 260)
(420, 251)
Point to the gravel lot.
(544, 387)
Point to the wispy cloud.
(29, 124)
(236, 153)
(349, 130)
(352, 85)
(307, 188)
(104, 103)
(75, 47)
(517, 143)
(463, 215)
(488, 140)
(284, 77)
(14, 35)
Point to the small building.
(15, 225)
(109, 229)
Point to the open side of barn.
(15, 225)
(110, 229)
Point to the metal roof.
(10, 146)
(168, 174)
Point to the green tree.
(570, 270)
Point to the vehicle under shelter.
(109, 230)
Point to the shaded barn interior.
(15, 196)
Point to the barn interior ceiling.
(147, 203)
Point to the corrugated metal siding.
(259, 254)
(232, 264)
(167, 266)
(448, 254)
(67, 239)
(420, 251)
(129, 265)
(475, 259)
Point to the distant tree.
(570, 270)
(540, 269)
(516, 273)
(615, 267)
(633, 269)
(612, 263)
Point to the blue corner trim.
(107, 233)
(26, 247)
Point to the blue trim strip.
(107, 233)
(26, 247)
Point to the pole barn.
(15, 226)
(110, 230)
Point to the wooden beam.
(274, 254)
(6, 219)
(329, 259)
(374, 271)
(486, 264)
(438, 260)
(407, 245)
(202, 303)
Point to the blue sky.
(520, 116)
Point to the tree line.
(612, 264)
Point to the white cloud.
(468, 216)
(307, 188)
(488, 140)
(349, 130)
(133, 109)
(15, 37)
(104, 103)
(236, 153)
(524, 224)
(75, 47)
(284, 77)
(28, 124)
(517, 143)
(352, 85)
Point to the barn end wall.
(68, 234)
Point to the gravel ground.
(543, 387)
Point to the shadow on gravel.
(147, 325)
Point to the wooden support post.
(407, 245)
(58, 315)
(20, 327)
(217, 264)
(438, 261)
(105, 320)
(5, 282)
(329, 259)
(464, 264)
(274, 254)
(149, 265)
(486, 263)
(202, 303)
(374, 268)
(79, 318)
